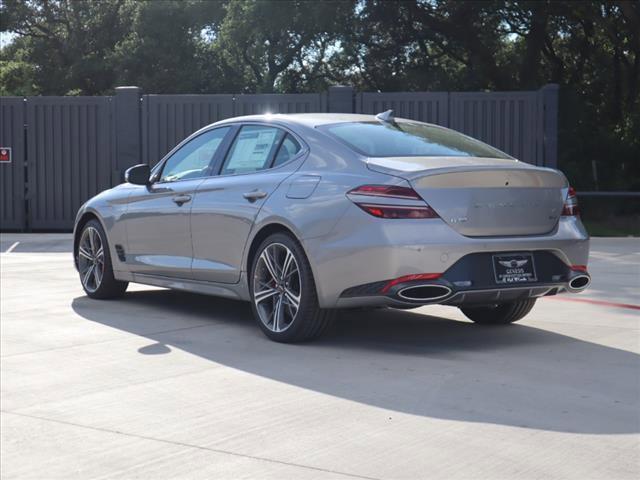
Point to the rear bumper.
(363, 250)
(470, 281)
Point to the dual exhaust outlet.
(434, 292)
(579, 283)
(424, 293)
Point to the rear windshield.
(408, 139)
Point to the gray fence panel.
(12, 119)
(70, 156)
(431, 107)
(169, 119)
(280, 103)
(510, 121)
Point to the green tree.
(261, 42)
(68, 43)
(165, 50)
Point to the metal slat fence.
(70, 156)
(430, 107)
(12, 207)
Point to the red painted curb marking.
(598, 302)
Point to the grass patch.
(606, 229)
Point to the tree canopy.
(590, 48)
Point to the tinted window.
(398, 139)
(252, 150)
(192, 159)
(289, 148)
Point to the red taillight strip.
(398, 211)
(410, 278)
(579, 268)
(387, 191)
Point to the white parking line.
(12, 247)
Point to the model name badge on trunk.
(508, 205)
(514, 268)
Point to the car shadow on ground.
(403, 361)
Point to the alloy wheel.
(277, 288)
(91, 259)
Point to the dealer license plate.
(514, 268)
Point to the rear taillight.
(388, 191)
(372, 207)
(571, 208)
(394, 211)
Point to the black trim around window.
(217, 169)
(223, 150)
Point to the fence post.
(550, 93)
(340, 99)
(127, 129)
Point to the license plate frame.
(509, 269)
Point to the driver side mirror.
(138, 174)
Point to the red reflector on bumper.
(410, 278)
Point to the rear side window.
(252, 150)
(288, 149)
(408, 139)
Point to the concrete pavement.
(165, 384)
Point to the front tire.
(500, 313)
(283, 292)
(94, 264)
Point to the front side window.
(252, 150)
(192, 160)
(408, 139)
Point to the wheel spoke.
(92, 240)
(84, 268)
(288, 261)
(87, 275)
(100, 253)
(266, 259)
(277, 313)
(293, 271)
(264, 294)
(292, 298)
(97, 275)
(84, 253)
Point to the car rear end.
(470, 226)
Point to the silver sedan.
(305, 214)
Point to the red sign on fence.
(5, 155)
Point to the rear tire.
(281, 279)
(94, 264)
(501, 313)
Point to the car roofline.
(312, 120)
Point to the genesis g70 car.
(305, 214)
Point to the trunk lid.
(484, 197)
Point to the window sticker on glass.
(251, 150)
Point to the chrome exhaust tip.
(424, 293)
(579, 283)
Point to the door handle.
(255, 195)
(181, 199)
